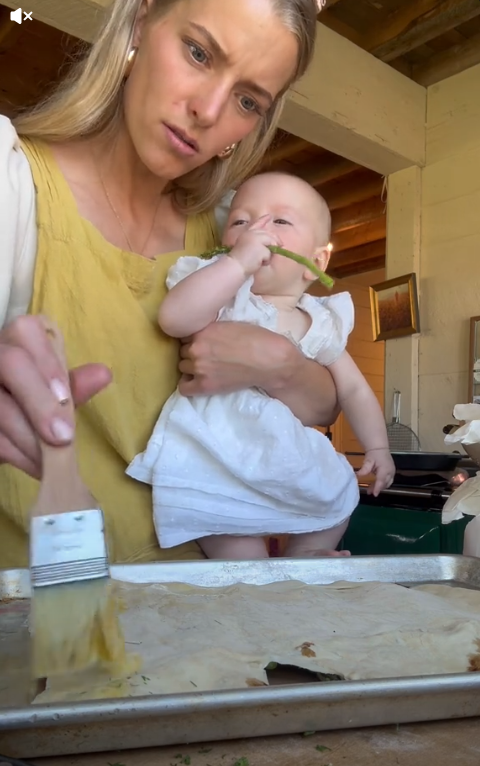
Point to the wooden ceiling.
(427, 40)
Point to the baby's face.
(299, 219)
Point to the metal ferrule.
(68, 547)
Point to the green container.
(377, 530)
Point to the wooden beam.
(402, 65)
(336, 25)
(356, 189)
(285, 148)
(444, 64)
(360, 235)
(357, 214)
(363, 110)
(371, 264)
(326, 170)
(358, 254)
(415, 23)
(9, 32)
(79, 18)
(333, 106)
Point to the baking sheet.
(66, 729)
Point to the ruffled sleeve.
(238, 309)
(18, 228)
(332, 322)
(186, 265)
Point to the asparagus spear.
(321, 276)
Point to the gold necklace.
(112, 207)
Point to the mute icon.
(18, 16)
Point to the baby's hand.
(380, 463)
(251, 248)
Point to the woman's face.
(203, 77)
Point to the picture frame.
(394, 306)
(474, 361)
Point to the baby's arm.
(365, 416)
(194, 302)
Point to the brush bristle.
(75, 626)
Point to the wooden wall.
(450, 251)
(369, 356)
(434, 214)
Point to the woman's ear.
(142, 15)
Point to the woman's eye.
(238, 222)
(198, 54)
(282, 221)
(249, 104)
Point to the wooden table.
(433, 744)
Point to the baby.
(229, 469)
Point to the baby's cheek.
(231, 235)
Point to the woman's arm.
(194, 302)
(230, 356)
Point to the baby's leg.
(231, 547)
(316, 544)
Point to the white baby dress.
(242, 463)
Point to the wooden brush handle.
(61, 488)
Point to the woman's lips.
(181, 141)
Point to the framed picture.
(394, 307)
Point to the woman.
(115, 177)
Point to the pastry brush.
(74, 622)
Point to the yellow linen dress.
(105, 301)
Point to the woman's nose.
(207, 106)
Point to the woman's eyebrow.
(220, 53)
(261, 92)
(213, 43)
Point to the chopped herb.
(321, 276)
(271, 666)
(241, 762)
(322, 749)
(145, 679)
(193, 684)
(187, 760)
(308, 733)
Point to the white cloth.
(18, 226)
(242, 463)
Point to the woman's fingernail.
(60, 391)
(62, 430)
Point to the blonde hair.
(89, 100)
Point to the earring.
(132, 55)
(226, 153)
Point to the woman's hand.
(231, 356)
(33, 384)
